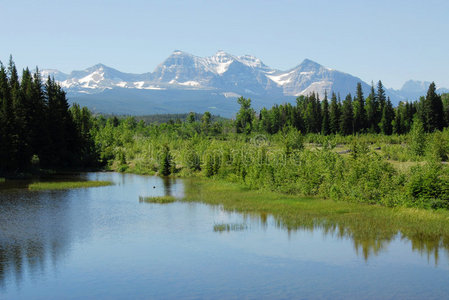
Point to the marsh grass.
(229, 227)
(66, 185)
(157, 199)
(371, 227)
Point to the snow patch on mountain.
(226, 75)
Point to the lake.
(103, 243)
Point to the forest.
(375, 155)
(38, 129)
(359, 149)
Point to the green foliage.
(347, 117)
(293, 140)
(37, 129)
(158, 199)
(193, 160)
(66, 185)
(212, 163)
(428, 186)
(334, 115)
(417, 138)
(325, 126)
(360, 118)
(432, 113)
(438, 146)
(166, 161)
(245, 116)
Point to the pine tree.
(433, 110)
(372, 111)
(386, 125)
(191, 118)
(381, 100)
(347, 117)
(334, 115)
(359, 111)
(325, 125)
(275, 119)
(317, 112)
(165, 162)
(6, 123)
(417, 142)
(206, 120)
(309, 118)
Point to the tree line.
(353, 115)
(37, 126)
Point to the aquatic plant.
(66, 185)
(157, 199)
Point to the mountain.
(185, 82)
(310, 77)
(413, 89)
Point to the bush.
(428, 186)
(438, 148)
(417, 138)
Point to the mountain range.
(185, 82)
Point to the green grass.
(158, 199)
(66, 185)
(371, 227)
(2, 179)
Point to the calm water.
(102, 243)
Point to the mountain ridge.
(220, 76)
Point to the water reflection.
(34, 232)
(370, 237)
(104, 235)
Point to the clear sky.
(389, 40)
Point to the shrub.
(428, 186)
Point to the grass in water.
(158, 199)
(371, 227)
(67, 185)
(229, 227)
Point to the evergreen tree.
(206, 119)
(275, 117)
(334, 115)
(433, 110)
(417, 142)
(191, 118)
(265, 120)
(317, 112)
(166, 161)
(347, 117)
(381, 100)
(325, 125)
(359, 111)
(309, 118)
(245, 116)
(35, 122)
(6, 123)
(372, 111)
(386, 125)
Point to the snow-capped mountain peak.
(223, 74)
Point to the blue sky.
(389, 40)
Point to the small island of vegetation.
(66, 185)
(158, 199)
